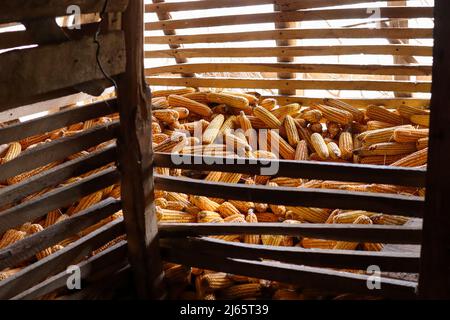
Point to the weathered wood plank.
(70, 63)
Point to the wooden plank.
(110, 257)
(135, 162)
(434, 282)
(60, 260)
(18, 252)
(423, 70)
(343, 232)
(329, 33)
(57, 175)
(57, 120)
(366, 85)
(296, 169)
(345, 259)
(410, 206)
(12, 11)
(56, 198)
(71, 63)
(15, 39)
(58, 150)
(306, 277)
(293, 16)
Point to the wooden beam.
(136, 161)
(434, 282)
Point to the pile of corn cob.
(13, 150)
(331, 131)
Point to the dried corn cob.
(250, 97)
(373, 246)
(268, 104)
(268, 118)
(251, 238)
(344, 245)
(261, 207)
(13, 152)
(234, 101)
(192, 105)
(415, 159)
(109, 245)
(280, 146)
(213, 129)
(209, 217)
(204, 203)
(334, 114)
(230, 177)
(313, 116)
(291, 131)
(172, 145)
(183, 113)
(346, 145)
(166, 115)
(358, 115)
(226, 209)
(422, 143)
(386, 149)
(86, 202)
(166, 93)
(382, 114)
(5, 274)
(173, 216)
(52, 217)
(272, 240)
(407, 111)
(375, 125)
(266, 217)
(197, 96)
(310, 243)
(320, 146)
(31, 173)
(287, 182)
(350, 216)
(301, 153)
(11, 236)
(216, 281)
(381, 160)
(314, 215)
(289, 109)
(389, 219)
(421, 120)
(236, 144)
(333, 150)
(409, 135)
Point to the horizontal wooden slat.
(12, 11)
(294, 16)
(410, 206)
(57, 120)
(28, 247)
(306, 277)
(58, 149)
(57, 175)
(296, 169)
(350, 259)
(56, 198)
(113, 256)
(357, 102)
(409, 70)
(70, 63)
(15, 39)
(343, 232)
(345, 33)
(60, 260)
(366, 85)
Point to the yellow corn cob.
(230, 237)
(268, 104)
(268, 118)
(230, 177)
(192, 105)
(263, 154)
(312, 184)
(11, 236)
(266, 217)
(175, 205)
(250, 97)
(31, 173)
(331, 184)
(166, 93)
(242, 206)
(350, 216)
(108, 245)
(204, 203)
(301, 153)
(382, 114)
(333, 150)
(381, 160)
(314, 215)
(156, 128)
(310, 243)
(44, 253)
(320, 146)
(287, 182)
(228, 125)
(166, 115)
(208, 217)
(389, 219)
(373, 246)
(160, 137)
(236, 144)
(25, 227)
(421, 120)
(226, 209)
(173, 216)
(249, 238)
(216, 281)
(52, 217)
(159, 103)
(387, 149)
(25, 143)
(334, 114)
(192, 127)
(358, 115)
(312, 115)
(261, 207)
(422, 143)
(172, 145)
(407, 111)
(192, 209)
(333, 214)
(244, 122)
(234, 101)
(409, 135)
(289, 109)
(213, 129)
(375, 125)
(250, 134)
(197, 96)
(344, 245)
(235, 218)
(257, 123)
(68, 241)
(5, 274)
(380, 135)
(291, 131)
(415, 159)
(279, 145)
(213, 176)
(183, 113)
(272, 240)
(241, 291)
(175, 196)
(346, 145)
(86, 202)
(13, 152)
(162, 203)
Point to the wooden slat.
(292, 16)
(56, 198)
(11, 11)
(57, 175)
(346, 259)
(410, 206)
(297, 169)
(58, 150)
(366, 85)
(57, 120)
(343, 232)
(15, 39)
(70, 63)
(410, 70)
(306, 277)
(20, 251)
(113, 256)
(58, 261)
(346, 33)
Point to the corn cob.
(175, 196)
(44, 253)
(389, 219)
(5, 274)
(312, 184)
(314, 215)
(86, 202)
(409, 135)
(13, 152)
(280, 146)
(230, 177)
(161, 202)
(334, 114)
(257, 123)
(68, 241)
(167, 93)
(25, 143)
(166, 115)
(272, 240)
(268, 104)
(109, 245)
(52, 217)
(421, 120)
(291, 131)
(233, 101)
(263, 154)
(350, 216)
(375, 125)
(380, 135)
(156, 128)
(193, 106)
(310, 243)
(173, 216)
(183, 113)
(312, 115)
(209, 217)
(381, 160)
(382, 114)
(373, 246)
(241, 291)
(301, 153)
(196, 126)
(250, 134)
(213, 129)
(319, 146)
(346, 145)
(175, 205)
(415, 159)
(261, 207)
(173, 144)
(358, 115)
(287, 182)
(251, 238)
(344, 245)
(386, 149)
(287, 110)
(216, 281)
(236, 144)
(31, 173)
(422, 143)
(11, 236)
(268, 118)
(226, 209)
(197, 96)
(204, 203)
(333, 150)
(228, 125)
(250, 97)
(266, 217)
(407, 112)
(159, 103)
(235, 218)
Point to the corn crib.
(65, 63)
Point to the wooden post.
(290, 42)
(434, 281)
(136, 161)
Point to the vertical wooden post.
(136, 161)
(290, 42)
(434, 281)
